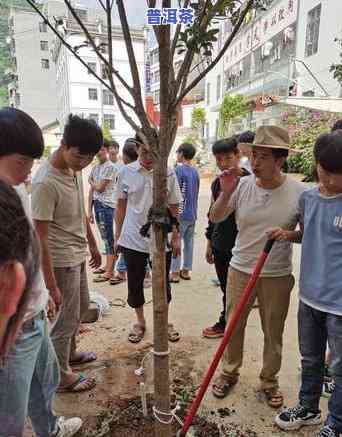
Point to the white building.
(319, 23)
(79, 92)
(257, 63)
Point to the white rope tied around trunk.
(172, 415)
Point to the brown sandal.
(274, 397)
(222, 386)
(173, 334)
(137, 333)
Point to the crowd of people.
(45, 241)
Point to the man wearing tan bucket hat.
(263, 201)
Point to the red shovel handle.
(227, 335)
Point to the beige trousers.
(273, 299)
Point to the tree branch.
(133, 66)
(219, 56)
(177, 31)
(102, 4)
(95, 48)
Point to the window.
(92, 66)
(82, 14)
(94, 117)
(156, 97)
(42, 27)
(45, 64)
(312, 30)
(218, 87)
(103, 72)
(107, 97)
(109, 120)
(207, 130)
(208, 93)
(44, 46)
(92, 93)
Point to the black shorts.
(136, 270)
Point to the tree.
(197, 42)
(198, 119)
(337, 68)
(233, 106)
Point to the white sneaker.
(295, 418)
(68, 427)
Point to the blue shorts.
(104, 216)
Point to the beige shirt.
(135, 184)
(258, 210)
(58, 198)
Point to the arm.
(42, 229)
(208, 234)
(101, 186)
(120, 213)
(95, 260)
(90, 204)
(280, 234)
(175, 238)
(222, 207)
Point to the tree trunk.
(160, 306)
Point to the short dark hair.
(84, 134)
(279, 153)
(20, 134)
(130, 150)
(328, 151)
(337, 125)
(111, 143)
(226, 145)
(246, 137)
(187, 150)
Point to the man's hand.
(229, 180)
(278, 234)
(91, 218)
(51, 309)
(176, 244)
(95, 260)
(56, 296)
(209, 253)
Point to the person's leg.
(136, 269)
(104, 216)
(121, 267)
(176, 262)
(188, 247)
(334, 329)
(44, 384)
(66, 326)
(221, 262)
(16, 374)
(233, 355)
(274, 300)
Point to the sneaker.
(215, 331)
(68, 427)
(327, 431)
(295, 418)
(328, 388)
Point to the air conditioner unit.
(266, 49)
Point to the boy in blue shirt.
(188, 179)
(320, 307)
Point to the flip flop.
(101, 278)
(137, 333)
(99, 271)
(174, 280)
(84, 358)
(116, 280)
(173, 334)
(81, 384)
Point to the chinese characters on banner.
(276, 20)
(159, 17)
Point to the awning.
(328, 104)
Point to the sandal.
(137, 333)
(84, 358)
(185, 277)
(101, 278)
(174, 280)
(116, 280)
(222, 386)
(81, 384)
(173, 334)
(274, 397)
(99, 271)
